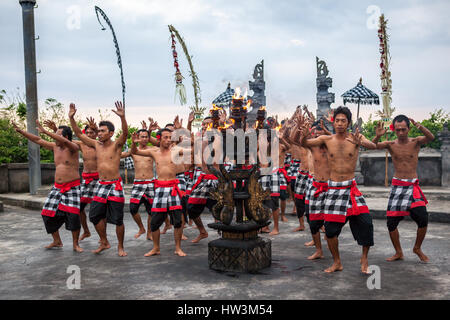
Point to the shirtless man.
(344, 202)
(406, 197)
(280, 181)
(143, 190)
(108, 203)
(89, 174)
(318, 189)
(63, 201)
(203, 182)
(167, 199)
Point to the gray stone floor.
(28, 271)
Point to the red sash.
(89, 177)
(118, 186)
(66, 186)
(170, 184)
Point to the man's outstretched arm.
(69, 144)
(33, 138)
(84, 138)
(120, 111)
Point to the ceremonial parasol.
(360, 95)
(225, 98)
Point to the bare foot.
(316, 255)
(103, 246)
(149, 236)
(309, 244)
(200, 237)
(298, 229)
(421, 255)
(153, 252)
(284, 219)
(364, 266)
(85, 235)
(265, 230)
(180, 253)
(77, 248)
(397, 256)
(166, 227)
(140, 232)
(183, 237)
(122, 252)
(54, 245)
(334, 267)
(274, 232)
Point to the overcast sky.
(227, 39)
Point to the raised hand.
(120, 109)
(39, 127)
(355, 138)
(134, 137)
(191, 117)
(380, 130)
(153, 125)
(176, 122)
(414, 122)
(91, 123)
(72, 110)
(223, 116)
(51, 125)
(15, 126)
(304, 130)
(144, 125)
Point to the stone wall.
(14, 176)
(373, 167)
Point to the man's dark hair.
(66, 132)
(401, 118)
(346, 111)
(164, 130)
(142, 130)
(169, 125)
(107, 124)
(206, 118)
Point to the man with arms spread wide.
(406, 197)
(62, 205)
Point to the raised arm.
(84, 138)
(33, 138)
(153, 125)
(427, 135)
(120, 111)
(69, 144)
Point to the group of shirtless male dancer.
(319, 176)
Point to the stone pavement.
(28, 271)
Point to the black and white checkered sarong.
(343, 200)
(301, 184)
(294, 168)
(405, 194)
(142, 188)
(109, 190)
(202, 187)
(183, 183)
(64, 197)
(87, 186)
(167, 196)
(317, 196)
